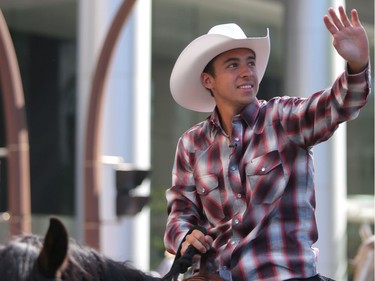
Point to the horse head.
(29, 257)
(56, 257)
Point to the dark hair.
(209, 69)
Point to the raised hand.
(349, 38)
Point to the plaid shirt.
(255, 193)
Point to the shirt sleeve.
(309, 121)
(183, 204)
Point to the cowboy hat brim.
(185, 81)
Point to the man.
(246, 172)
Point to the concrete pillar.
(311, 65)
(126, 121)
(126, 135)
(92, 25)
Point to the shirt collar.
(248, 114)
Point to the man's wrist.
(354, 68)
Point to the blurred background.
(57, 44)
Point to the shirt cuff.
(360, 77)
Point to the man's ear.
(207, 80)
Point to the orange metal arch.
(17, 138)
(93, 128)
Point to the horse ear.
(55, 248)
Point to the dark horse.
(56, 257)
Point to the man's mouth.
(245, 87)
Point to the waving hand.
(349, 38)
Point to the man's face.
(234, 83)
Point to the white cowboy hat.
(185, 82)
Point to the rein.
(207, 268)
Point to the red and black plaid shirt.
(255, 193)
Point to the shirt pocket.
(266, 177)
(210, 195)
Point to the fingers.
(335, 19)
(198, 240)
(344, 18)
(331, 28)
(334, 23)
(355, 18)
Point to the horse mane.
(91, 265)
(17, 258)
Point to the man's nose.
(246, 70)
